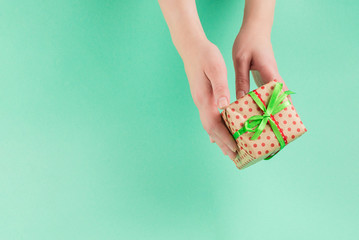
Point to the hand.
(253, 51)
(207, 76)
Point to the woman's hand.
(252, 48)
(207, 76)
(205, 69)
(253, 51)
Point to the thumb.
(217, 75)
(266, 75)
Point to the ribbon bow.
(257, 123)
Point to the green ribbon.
(257, 123)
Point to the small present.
(262, 122)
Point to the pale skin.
(205, 67)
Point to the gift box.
(262, 122)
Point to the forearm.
(184, 24)
(258, 15)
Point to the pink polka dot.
(298, 129)
(264, 130)
(292, 108)
(301, 122)
(285, 109)
(259, 137)
(245, 145)
(267, 151)
(289, 115)
(232, 123)
(275, 80)
(236, 102)
(244, 116)
(293, 136)
(250, 152)
(289, 129)
(242, 124)
(268, 137)
(280, 115)
(296, 115)
(262, 87)
(259, 152)
(237, 117)
(232, 109)
(294, 122)
(272, 145)
(284, 122)
(272, 87)
(267, 94)
(250, 109)
(255, 145)
(305, 129)
(240, 109)
(263, 144)
(241, 138)
(228, 115)
(246, 102)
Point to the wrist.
(257, 28)
(189, 45)
(259, 16)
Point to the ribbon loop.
(257, 123)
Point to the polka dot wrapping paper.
(252, 151)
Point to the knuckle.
(199, 98)
(219, 89)
(241, 78)
(241, 58)
(216, 67)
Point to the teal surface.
(100, 139)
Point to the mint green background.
(100, 139)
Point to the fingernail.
(241, 94)
(222, 102)
(234, 149)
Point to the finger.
(268, 74)
(213, 124)
(232, 155)
(220, 144)
(211, 139)
(223, 134)
(225, 149)
(217, 75)
(241, 68)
